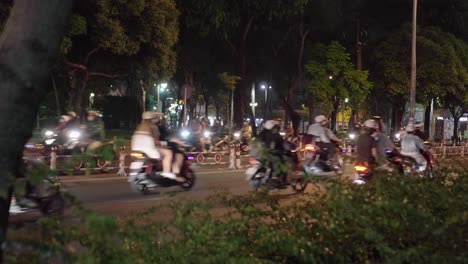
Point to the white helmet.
(370, 123)
(320, 119)
(65, 118)
(151, 115)
(270, 124)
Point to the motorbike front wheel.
(256, 181)
(54, 205)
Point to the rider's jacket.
(143, 139)
(411, 143)
(319, 132)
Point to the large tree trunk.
(336, 105)
(28, 48)
(427, 120)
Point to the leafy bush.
(392, 219)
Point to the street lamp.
(91, 99)
(263, 86)
(161, 88)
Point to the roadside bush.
(392, 219)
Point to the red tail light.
(253, 161)
(310, 147)
(360, 168)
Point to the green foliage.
(139, 34)
(442, 61)
(391, 219)
(229, 80)
(333, 76)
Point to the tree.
(441, 65)
(234, 21)
(334, 78)
(230, 81)
(109, 38)
(26, 60)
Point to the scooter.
(315, 162)
(45, 197)
(364, 172)
(261, 174)
(145, 174)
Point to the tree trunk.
(427, 120)
(28, 49)
(336, 105)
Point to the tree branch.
(85, 62)
(76, 65)
(247, 28)
(107, 75)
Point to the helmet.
(410, 127)
(151, 115)
(92, 113)
(270, 124)
(370, 123)
(72, 114)
(320, 119)
(418, 124)
(65, 118)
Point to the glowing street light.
(161, 88)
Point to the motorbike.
(145, 174)
(46, 196)
(241, 141)
(261, 174)
(363, 171)
(316, 163)
(75, 142)
(408, 166)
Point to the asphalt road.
(111, 194)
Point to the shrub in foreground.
(392, 219)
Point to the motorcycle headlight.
(50, 141)
(49, 133)
(397, 135)
(237, 135)
(282, 134)
(185, 134)
(352, 136)
(207, 133)
(74, 134)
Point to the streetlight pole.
(163, 86)
(413, 63)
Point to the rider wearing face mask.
(323, 135)
(146, 139)
(366, 146)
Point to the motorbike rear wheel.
(299, 184)
(189, 180)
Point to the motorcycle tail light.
(136, 155)
(310, 147)
(253, 161)
(360, 168)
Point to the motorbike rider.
(323, 136)
(418, 130)
(146, 138)
(384, 143)
(271, 140)
(94, 126)
(67, 123)
(246, 132)
(366, 146)
(411, 145)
